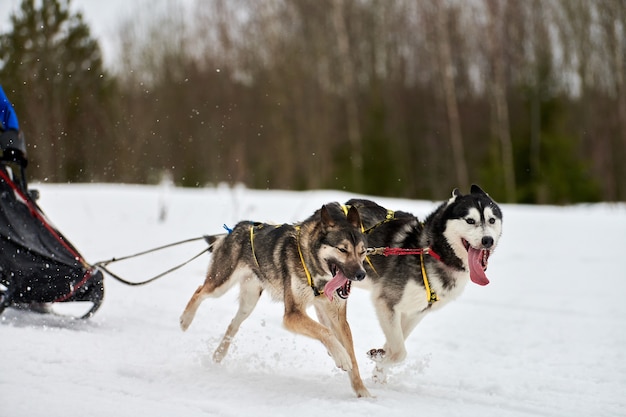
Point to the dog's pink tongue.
(477, 273)
(338, 281)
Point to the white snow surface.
(547, 336)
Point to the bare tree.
(349, 90)
(613, 22)
(444, 55)
(347, 94)
(498, 89)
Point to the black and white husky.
(456, 239)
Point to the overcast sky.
(101, 16)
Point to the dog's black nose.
(487, 241)
(359, 276)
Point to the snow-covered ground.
(547, 336)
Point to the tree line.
(401, 98)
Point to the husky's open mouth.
(478, 259)
(339, 284)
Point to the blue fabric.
(8, 118)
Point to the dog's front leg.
(394, 350)
(333, 314)
(410, 321)
(297, 321)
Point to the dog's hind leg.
(192, 306)
(249, 295)
(217, 282)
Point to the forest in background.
(403, 98)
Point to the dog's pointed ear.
(455, 194)
(327, 219)
(477, 190)
(353, 217)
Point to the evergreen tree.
(52, 68)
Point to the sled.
(38, 264)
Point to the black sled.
(38, 265)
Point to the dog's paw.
(344, 363)
(222, 350)
(376, 355)
(387, 356)
(363, 393)
(342, 359)
(184, 321)
(218, 355)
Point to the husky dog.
(293, 263)
(456, 239)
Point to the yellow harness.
(252, 242)
(431, 296)
(309, 278)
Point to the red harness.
(403, 251)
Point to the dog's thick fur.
(261, 257)
(462, 231)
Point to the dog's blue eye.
(470, 221)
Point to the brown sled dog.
(292, 262)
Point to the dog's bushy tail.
(214, 240)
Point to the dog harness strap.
(431, 296)
(369, 262)
(389, 217)
(387, 251)
(309, 278)
(432, 253)
(252, 245)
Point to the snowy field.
(547, 336)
